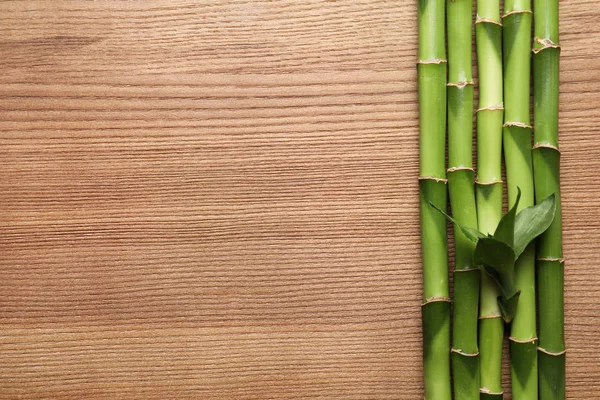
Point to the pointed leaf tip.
(472, 234)
(505, 231)
(508, 306)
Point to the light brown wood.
(218, 200)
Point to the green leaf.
(508, 307)
(498, 259)
(472, 234)
(505, 231)
(532, 222)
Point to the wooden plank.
(219, 199)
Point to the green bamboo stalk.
(431, 70)
(488, 33)
(517, 152)
(465, 351)
(550, 265)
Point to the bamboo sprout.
(465, 352)
(550, 268)
(432, 188)
(488, 31)
(517, 150)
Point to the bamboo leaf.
(532, 222)
(499, 261)
(505, 231)
(508, 307)
(472, 234)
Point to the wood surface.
(218, 199)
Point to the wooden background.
(218, 199)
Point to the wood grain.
(218, 200)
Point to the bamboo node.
(437, 299)
(489, 183)
(466, 270)
(546, 43)
(433, 178)
(552, 353)
(489, 316)
(460, 85)
(455, 169)
(480, 20)
(485, 390)
(525, 341)
(513, 12)
(545, 146)
(433, 61)
(462, 353)
(517, 124)
(492, 108)
(559, 260)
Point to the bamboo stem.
(488, 32)
(465, 351)
(517, 150)
(431, 72)
(546, 161)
